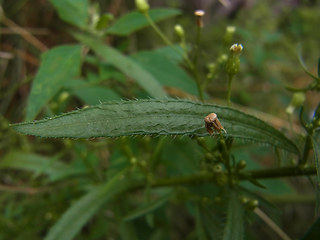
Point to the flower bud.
(298, 99)
(217, 168)
(241, 165)
(133, 161)
(63, 97)
(179, 30)
(221, 179)
(142, 5)
(233, 63)
(252, 204)
(222, 59)
(230, 30)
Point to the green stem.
(195, 63)
(257, 174)
(158, 31)
(230, 77)
(306, 151)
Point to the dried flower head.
(199, 14)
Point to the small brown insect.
(213, 124)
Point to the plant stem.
(195, 63)
(306, 151)
(230, 77)
(257, 174)
(158, 31)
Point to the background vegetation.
(52, 61)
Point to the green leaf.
(234, 227)
(82, 210)
(174, 53)
(31, 162)
(148, 207)
(160, 117)
(125, 64)
(313, 232)
(134, 21)
(58, 65)
(38, 164)
(165, 71)
(89, 93)
(73, 12)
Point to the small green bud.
(205, 200)
(212, 67)
(241, 164)
(230, 30)
(221, 179)
(143, 163)
(142, 5)
(217, 200)
(217, 168)
(133, 161)
(252, 204)
(222, 59)
(179, 30)
(63, 96)
(298, 99)
(244, 200)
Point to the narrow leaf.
(81, 211)
(31, 162)
(165, 71)
(234, 228)
(73, 12)
(125, 64)
(149, 207)
(38, 164)
(134, 21)
(58, 65)
(161, 117)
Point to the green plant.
(148, 178)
